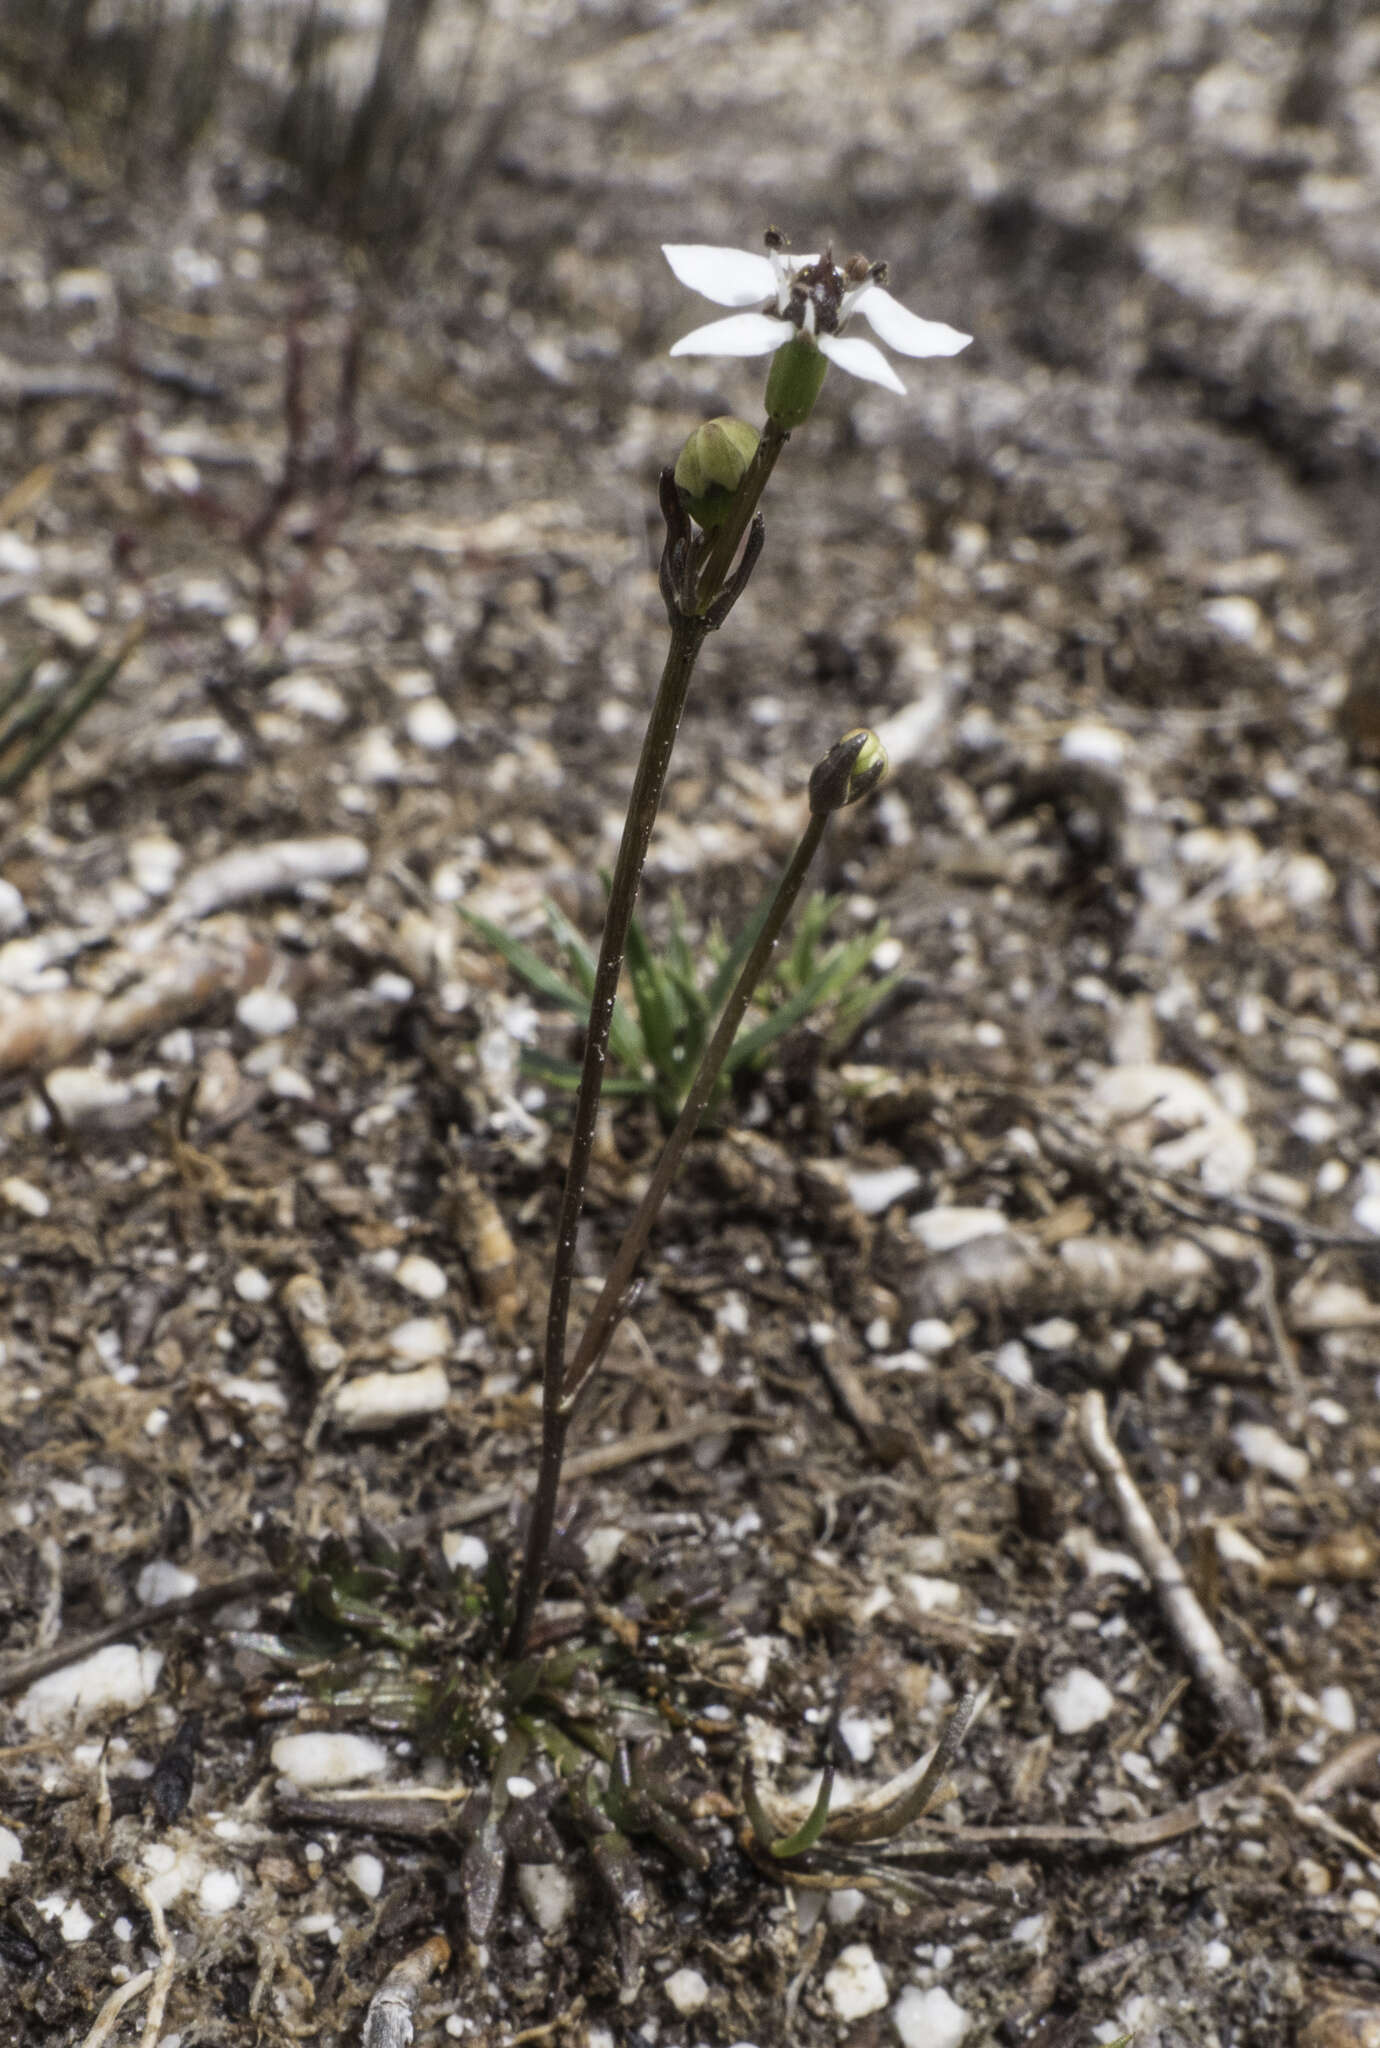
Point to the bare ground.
(1106, 582)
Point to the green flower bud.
(849, 771)
(711, 466)
(793, 381)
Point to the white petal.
(730, 277)
(746, 334)
(906, 331)
(860, 359)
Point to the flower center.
(816, 302)
(819, 298)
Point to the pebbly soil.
(1105, 581)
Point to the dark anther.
(727, 598)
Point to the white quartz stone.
(929, 2019)
(328, 1758)
(1077, 1701)
(119, 1676)
(855, 1985)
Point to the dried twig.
(1197, 1638)
(114, 2006)
(167, 1966)
(388, 2022)
(24, 1670)
(457, 1514)
(1354, 1760)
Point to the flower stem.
(687, 637)
(604, 1316)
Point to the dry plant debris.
(1111, 608)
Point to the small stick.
(167, 1966)
(1197, 1638)
(24, 1670)
(388, 2022)
(114, 2006)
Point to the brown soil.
(1106, 579)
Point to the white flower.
(803, 295)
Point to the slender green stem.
(604, 1316)
(687, 637)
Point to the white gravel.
(420, 1339)
(855, 1985)
(377, 1400)
(548, 1894)
(323, 1758)
(421, 1276)
(118, 1677)
(1077, 1701)
(687, 1991)
(929, 2019)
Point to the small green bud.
(793, 382)
(850, 770)
(711, 466)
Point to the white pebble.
(252, 1285)
(162, 1581)
(1012, 1361)
(219, 1891)
(844, 1906)
(687, 1991)
(17, 557)
(548, 1894)
(327, 1758)
(1265, 1448)
(1102, 746)
(420, 1339)
(421, 1276)
(11, 1851)
(309, 696)
(1077, 1701)
(874, 1192)
(22, 1194)
(1056, 1334)
(858, 1738)
(378, 1399)
(267, 1012)
(119, 1676)
(931, 1335)
(930, 1596)
(929, 2019)
(855, 1985)
(944, 1229)
(1315, 1126)
(464, 1552)
(1338, 1709)
(154, 861)
(1240, 618)
(602, 1546)
(13, 914)
(365, 1873)
(71, 1916)
(431, 724)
